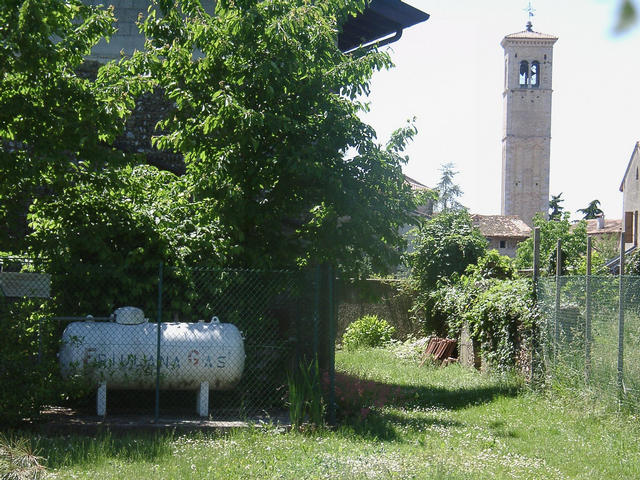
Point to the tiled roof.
(610, 226)
(526, 34)
(414, 184)
(501, 226)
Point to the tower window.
(524, 73)
(534, 81)
(529, 76)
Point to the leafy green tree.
(265, 115)
(444, 245)
(492, 265)
(574, 245)
(592, 210)
(51, 118)
(121, 223)
(448, 190)
(53, 122)
(555, 207)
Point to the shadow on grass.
(360, 411)
(457, 398)
(355, 390)
(359, 403)
(388, 426)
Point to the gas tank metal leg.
(101, 400)
(202, 400)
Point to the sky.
(449, 75)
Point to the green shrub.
(29, 368)
(632, 264)
(367, 331)
(444, 247)
(500, 314)
(496, 305)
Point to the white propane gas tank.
(122, 355)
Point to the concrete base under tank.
(61, 420)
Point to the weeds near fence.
(591, 337)
(305, 395)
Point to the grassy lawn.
(449, 423)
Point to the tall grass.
(581, 362)
(305, 395)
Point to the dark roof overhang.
(381, 23)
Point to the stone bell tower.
(526, 139)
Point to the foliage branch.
(442, 247)
(51, 116)
(266, 117)
(573, 246)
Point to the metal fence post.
(158, 340)
(556, 326)
(327, 340)
(40, 341)
(316, 319)
(621, 318)
(332, 347)
(535, 338)
(587, 320)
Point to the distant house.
(630, 188)
(424, 210)
(605, 235)
(503, 232)
(598, 227)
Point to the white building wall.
(631, 197)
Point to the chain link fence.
(591, 334)
(167, 341)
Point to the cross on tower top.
(530, 11)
